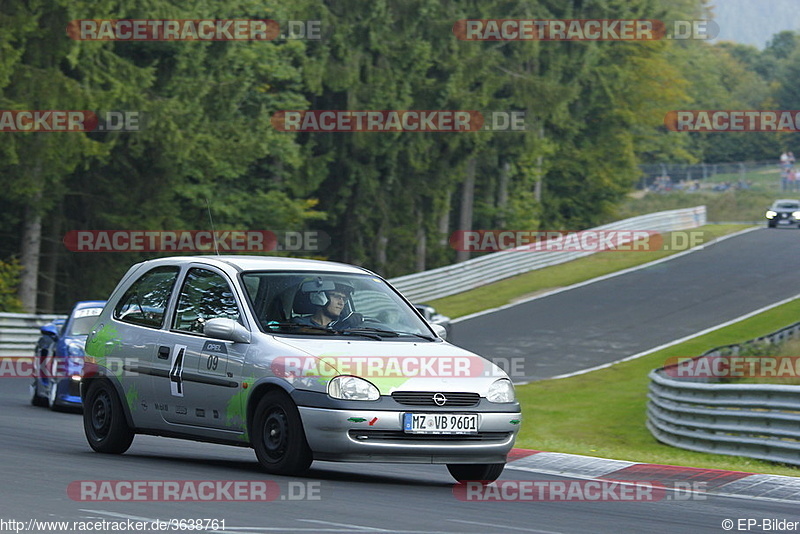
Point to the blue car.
(59, 357)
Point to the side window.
(205, 295)
(145, 302)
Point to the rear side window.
(145, 302)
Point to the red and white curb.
(713, 481)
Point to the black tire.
(772, 225)
(485, 473)
(104, 422)
(52, 396)
(278, 436)
(36, 399)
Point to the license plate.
(784, 221)
(440, 423)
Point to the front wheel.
(36, 399)
(53, 396)
(104, 422)
(278, 437)
(476, 472)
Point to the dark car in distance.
(784, 212)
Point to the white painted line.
(121, 516)
(362, 528)
(681, 340)
(601, 278)
(503, 528)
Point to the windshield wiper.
(325, 329)
(376, 333)
(275, 324)
(387, 333)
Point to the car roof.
(261, 263)
(782, 200)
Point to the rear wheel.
(278, 437)
(104, 422)
(485, 473)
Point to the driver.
(329, 307)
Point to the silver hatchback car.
(301, 360)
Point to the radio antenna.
(213, 230)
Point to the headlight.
(796, 214)
(771, 214)
(352, 388)
(501, 391)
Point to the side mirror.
(50, 330)
(440, 330)
(226, 329)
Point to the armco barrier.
(754, 420)
(20, 331)
(477, 272)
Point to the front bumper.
(350, 435)
(783, 219)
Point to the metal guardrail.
(754, 420)
(19, 333)
(477, 272)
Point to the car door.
(201, 376)
(131, 346)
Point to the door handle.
(163, 353)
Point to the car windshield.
(786, 205)
(83, 320)
(292, 303)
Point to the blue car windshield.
(83, 320)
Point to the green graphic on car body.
(132, 396)
(102, 344)
(235, 409)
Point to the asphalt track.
(43, 452)
(631, 313)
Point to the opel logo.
(439, 399)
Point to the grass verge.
(602, 413)
(565, 274)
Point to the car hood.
(389, 365)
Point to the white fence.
(19, 333)
(477, 272)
